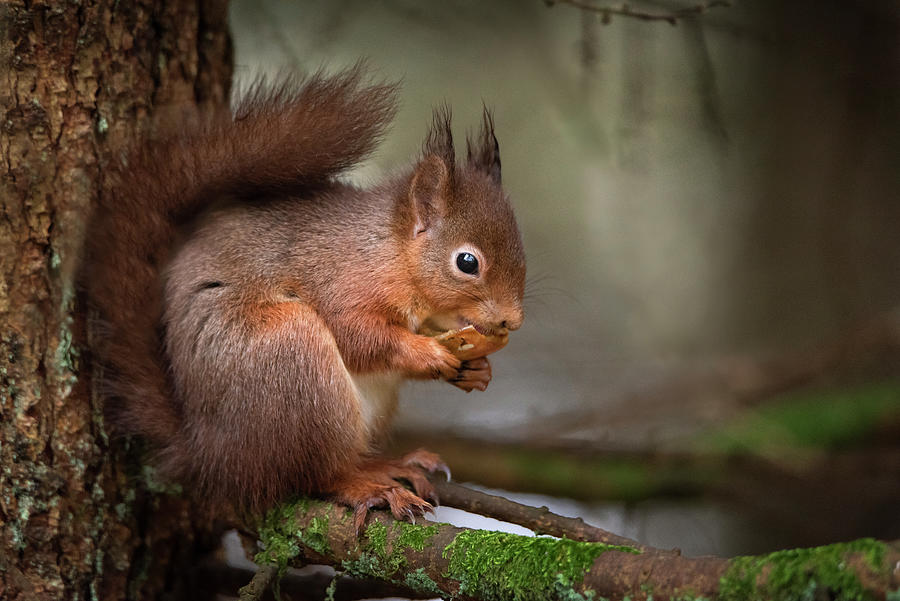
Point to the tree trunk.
(80, 518)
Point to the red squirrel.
(258, 313)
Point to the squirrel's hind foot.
(376, 483)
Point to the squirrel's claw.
(428, 461)
(359, 516)
(402, 503)
(376, 484)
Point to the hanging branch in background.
(624, 10)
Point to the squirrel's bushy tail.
(284, 138)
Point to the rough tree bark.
(79, 519)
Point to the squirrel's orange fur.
(257, 314)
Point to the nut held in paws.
(468, 343)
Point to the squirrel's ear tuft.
(439, 140)
(484, 153)
(427, 193)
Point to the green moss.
(411, 536)
(282, 535)
(315, 536)
(366, 564)
(279, 545)
(803, 573)
(332, 587)
(564, 591)
(383, 551)
(420, 582)
(497, 565)
(376, 533)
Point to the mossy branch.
(458, 563)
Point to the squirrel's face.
(468, 252)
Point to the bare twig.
(539, 519)
(624, 10)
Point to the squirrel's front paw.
(473, 374)
(443, 364)
(431, 360)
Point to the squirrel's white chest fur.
(377, 394)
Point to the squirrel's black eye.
(467, 263)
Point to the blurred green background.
(711, 214)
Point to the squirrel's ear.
(484, 153)
(427, 191)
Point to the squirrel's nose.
(512, 319)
